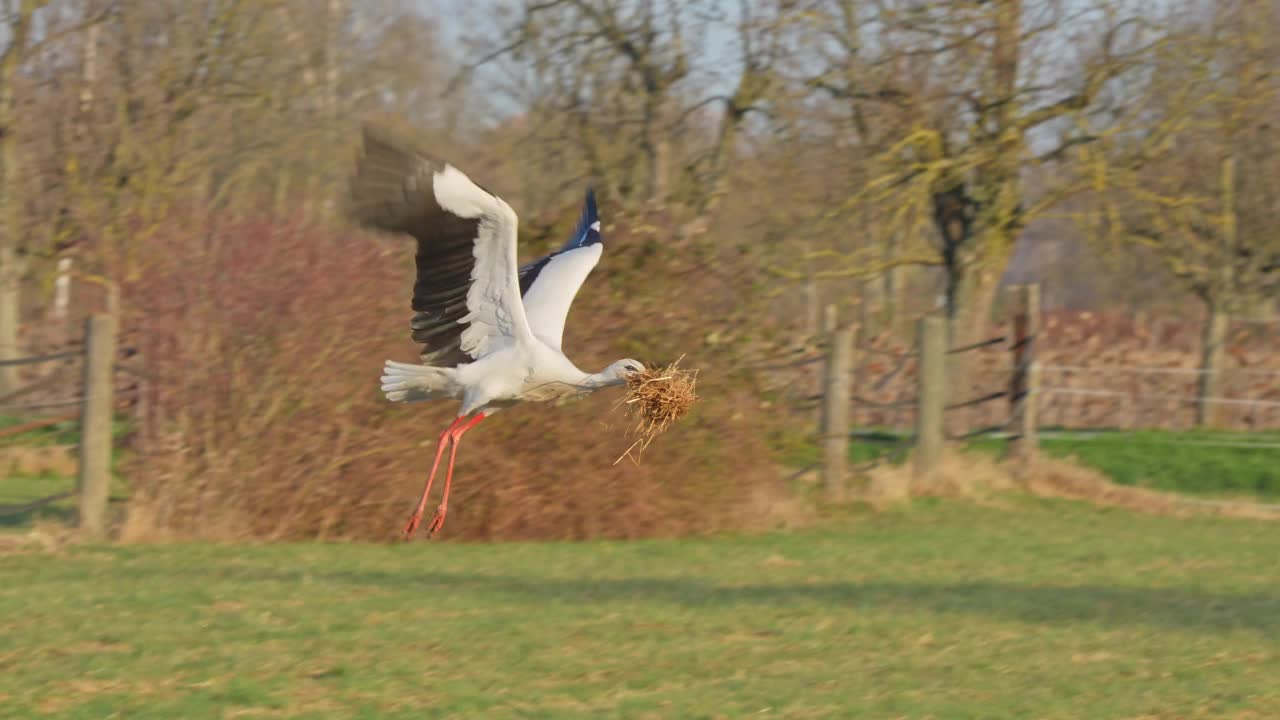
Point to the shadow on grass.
(1171, 608)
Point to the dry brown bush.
(263, 343)
(957, 475)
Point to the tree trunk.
(890, 282)
(656, 146)
(88, 82)
(1221, 297)
(969, 315)
(970, 292)
(951, 296)
(10, 272)
(1267, 310)
(813, 310)
(866, 289)
(10, 288)
(658, 168)
(978, 290)
(1212, 350)
(335, 16)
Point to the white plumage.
(490, 329)
(546, 304)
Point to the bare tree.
(631, 95)
(959, 100)
(33, 28)
(1196, 191)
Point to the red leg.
(416, 520)
(437, 522)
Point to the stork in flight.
(490, 330)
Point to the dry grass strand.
(657, 398)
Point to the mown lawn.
(1211, 463)
(1243, 465)
(1033, 609)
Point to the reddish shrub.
(263, 344)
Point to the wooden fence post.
(835, 413)
(1025, 382)
(95, 423)
(1028, 444)
(932, 396)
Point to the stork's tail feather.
(404, 382)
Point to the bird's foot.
(437, 522)
(412, 526)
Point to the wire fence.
(1141, 401)
(1138, 370)
(95, 403)
(1136, 398)
(1014, 386)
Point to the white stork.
(490, 331)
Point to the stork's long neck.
(604, 379)
(557, 367)
(572, 375)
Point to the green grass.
(21, 488)
(62, 433)
(1204, 463)
(16, 490)
(871, 444)
(1035, 610)
(66, 432)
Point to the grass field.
(1033, 609)
(1203, 463)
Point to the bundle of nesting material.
(656, 398)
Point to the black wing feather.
(392, 191)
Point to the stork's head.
(616, 374)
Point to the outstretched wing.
(549, 284)
(466, 296)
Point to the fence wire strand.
(42, 405)
(1140, 370)
(1146, 398)
(10, 510)
(35, 359)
